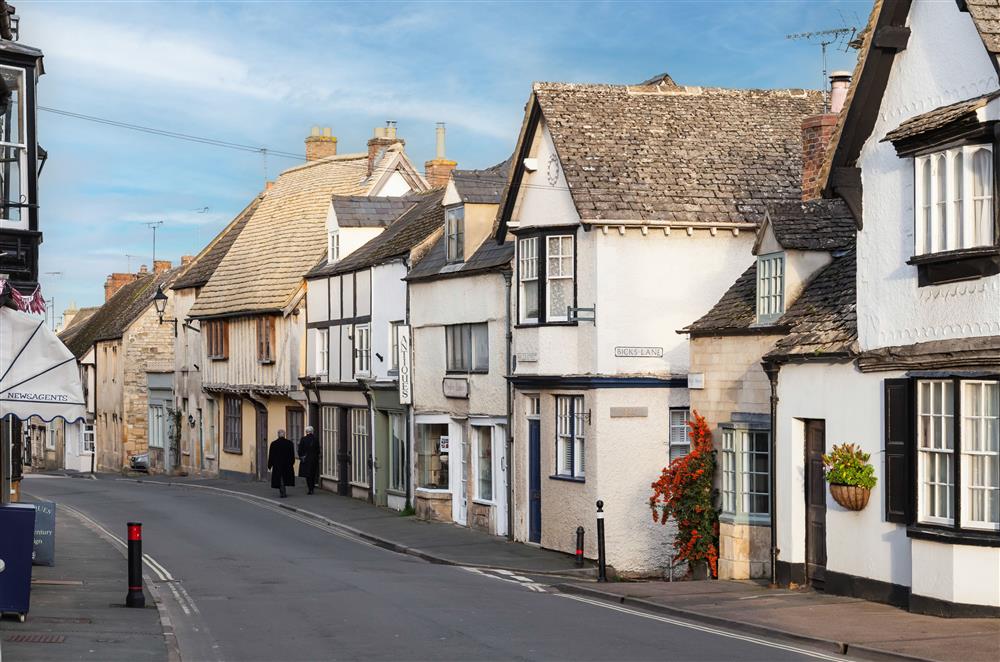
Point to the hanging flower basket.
(851, 497)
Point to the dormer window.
(454, 232)
(954, 199)
(770, 287)
(333, 247)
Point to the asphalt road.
(244, 580)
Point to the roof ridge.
(679, 90)
(352, 156)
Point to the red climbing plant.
(684, 494)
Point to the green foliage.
(849, 465)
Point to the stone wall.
(147, 346)
(734, 379)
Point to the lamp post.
(160, 303)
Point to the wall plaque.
(455, 387)
(639, 352)
(629, 412)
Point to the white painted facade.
(944, 62)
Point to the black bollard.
(135, 596)
(602, 568)
(579, 547)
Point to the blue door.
(534, 482)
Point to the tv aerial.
(825, 39)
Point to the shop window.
(397, 453)
(359, 447)
(329, 429)
(432, 456)
(483, 437)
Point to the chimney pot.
(327, 132)
(143, 269)
(315, 131)
(439, 154)
(840, 81)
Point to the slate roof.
(82, 314)
(677, 154)
(110, 320)
(823, 320)
(986, 15)
(205, 263)
(286, 235)
(489, 256)
(962, 111)
(735, 311)
(412, 227)
(362, 211)
(482, 187)
(816, 225)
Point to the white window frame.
(50, 437)
(551, 274)
(737, 473)
(359, 446)
(394, 345)
(329, 433)
(678, 437)
(770, 287)
(454, 233)
(944, 220)
(87, 439)
(157, 423)
(397, 452)
(571, 445)
(934, 450)
(527, 274)
(465, 358)
(333, 246)
(322, 352)
(980, 420)
(362, 350)
(483, 434)
(21, 146)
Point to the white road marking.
(508, 577)
(702, 628)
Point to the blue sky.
(263, 73)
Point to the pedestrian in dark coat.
(309, 458)
(281, 462)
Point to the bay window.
(746, 482)
(14, 172)
(359, 446)
(546, 274)
(467, 347)
(570, 436)
(954, 199)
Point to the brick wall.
(816, 133)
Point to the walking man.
(281, 462)
(309, 458)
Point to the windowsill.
(393, 372)
(265, 361)
(465, 373)
(742, 518)
(434, 491)
(363, 486)
(533, 325)
(940, 534)
(958, 265)
(232, 452)
(394, 492)
(570, 479)
(218, 358)
(209, 457)
(484, 502)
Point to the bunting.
(26, 303)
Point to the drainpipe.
(408, 433)
(93, 456)
(771, 370)
(509, 336)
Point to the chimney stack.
(438, 171)
(186, 260)
(816, 133)
(115, 282)
(384, 138)
(161, 266)
(320, 145)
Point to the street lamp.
(160, 302)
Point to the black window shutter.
(898, 444)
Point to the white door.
(458, 461)
(500, 471)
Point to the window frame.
(358, 421)
(470, 360)
(394, 346)
(362, 350)
(763, 301)
(333, 246)
(478, 462)
(322, 366)
(232, 415)
(88, 439)
(329, 431)
(736, 474)
(570, 437)
(265, 325)
(156, 424)
(683, 427)
(397, 453)
(216, 339)
(454, 233)
(540, 280)
(23, 197)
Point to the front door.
(815, 504)
(261, 442)
(534, 481)
(343, 442)
(382, 463)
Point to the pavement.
(77, 606)
(857, 627)
(244, 578)
(438, 542)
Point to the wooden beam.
(891, 38)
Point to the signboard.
(639, 352)
(455, 387)
(696, 380)
(405, 365)
(44, 550)
(443, 444)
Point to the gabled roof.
(363, 211)
(816, 225)
(411, 228)
(662, 154)
(735, 312)
(955, 113)
(286, 235)
(82, 315)
(482, 187)
(112, 319)
(489, 256)
(205, 263)
(823, 321)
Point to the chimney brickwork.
(384, 138)
(115, 282)
(437, 171)
(816, 133)
(161, 266)
(321, 145)
(186, 260)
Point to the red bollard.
(135, 596)
(579, 547)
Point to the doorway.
(534, 481)
(261, 441)
(815, 446)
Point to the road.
(245, 580)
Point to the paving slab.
(77, 606)
(861, 628)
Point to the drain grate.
(35, 638)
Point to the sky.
(263, 73)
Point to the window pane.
(926, 227)
(329, 420)
(481, 347)
(940, 203)
(484, 462)
(935, 439)
(560, 297)
(981, 454)
(432, 463)
(982, 197)
(957, 213)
